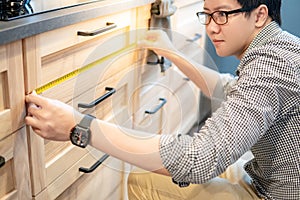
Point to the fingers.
(33, 122)
(35, 99)
(33, 110)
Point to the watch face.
(80, 136)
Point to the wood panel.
(15, 174)
(12, 107)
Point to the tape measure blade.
(76, 72)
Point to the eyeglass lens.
(219, 17)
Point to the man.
(261, 114)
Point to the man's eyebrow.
(221, 7)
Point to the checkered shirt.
(261, 113)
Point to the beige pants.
(234, 184)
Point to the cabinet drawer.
(149, 116)
(68, 90)
(109, 178)
(89, 55)
(15, 173)
(59, 39)
(104, 183)
(88, 52)
(12, 107)
(111, 107)
(147, 122)
(181, 110)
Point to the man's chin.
(223, 53)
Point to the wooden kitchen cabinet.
(14, 170)
(108, 62)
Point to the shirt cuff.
(174, 151)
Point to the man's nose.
(213, 27)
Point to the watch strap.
(86, 121)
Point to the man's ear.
(261, 15)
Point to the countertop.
(28, 26)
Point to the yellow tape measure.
(76, 72)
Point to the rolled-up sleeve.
(182, 158)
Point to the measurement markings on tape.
(76, 72)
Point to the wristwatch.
(80, 134)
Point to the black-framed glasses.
(219, 17)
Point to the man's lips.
(217, 41)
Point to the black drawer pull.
(2, 161)
(95, 165)
(197, 37)
(108, 27)
(100, 99)
(163, 102)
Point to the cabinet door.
(179, 112)
(12, 107)
(14, 170)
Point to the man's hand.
(49, 118)
(158, 41)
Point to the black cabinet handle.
(163, 102)
(100, 99)
(108, 27)
(95, 165)
(197, 37)
(2, 161)
(90, 105)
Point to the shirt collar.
(269, 31)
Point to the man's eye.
(221, 14)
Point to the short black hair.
(274, 7)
